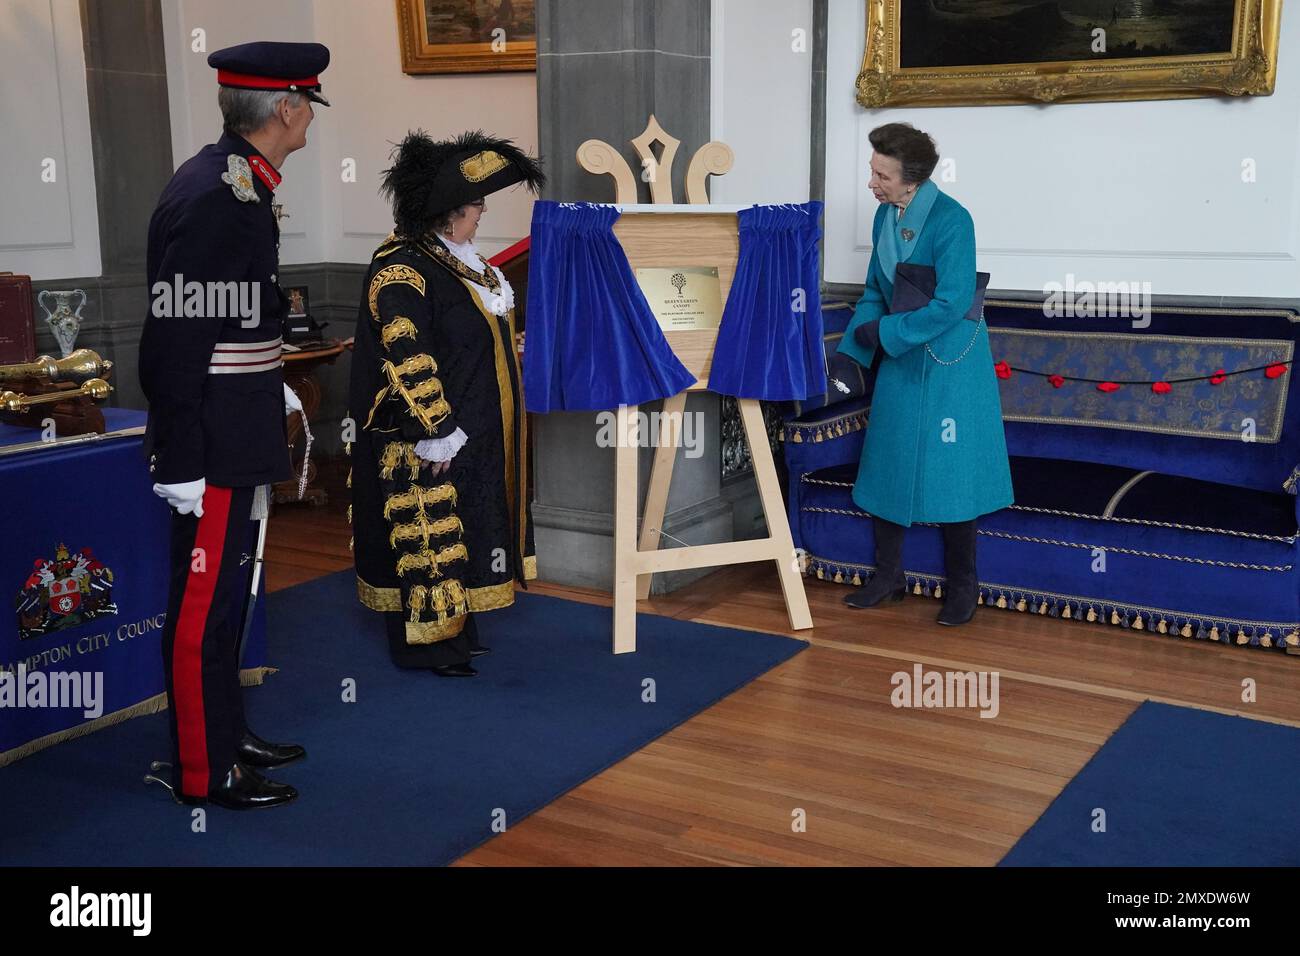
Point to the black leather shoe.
(256, 752)
(243, 788)
(480, 651)
(455, 670)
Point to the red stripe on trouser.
(187, 658)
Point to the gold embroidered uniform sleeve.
(411, 399)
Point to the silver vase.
(64, 321)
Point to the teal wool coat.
(935, 450)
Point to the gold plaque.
(684, 298)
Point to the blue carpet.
(413, 772)
(1179, 787)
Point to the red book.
(17, 330)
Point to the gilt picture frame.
(467, 36)
(998, 52)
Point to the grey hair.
(247, 111)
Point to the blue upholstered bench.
(1141, 506)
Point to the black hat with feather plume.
(430, 178)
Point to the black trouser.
(453, 650)
(210, 578)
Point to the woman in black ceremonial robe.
(441, 526)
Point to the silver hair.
(247, 111)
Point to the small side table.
(298, 375)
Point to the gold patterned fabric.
(425, 537)
(1192, 408)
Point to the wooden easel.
(671, 236)
(670, 239)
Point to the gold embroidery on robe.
(416, 363)
(400, 328)
(422, 530)
(429, 416)
(419, 498)
(431, 561)
(389, 275)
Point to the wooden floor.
(818, 738)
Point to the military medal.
(240, 178)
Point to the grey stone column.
(603, 67)
(126, 85)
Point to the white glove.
(441, 449)
(291, 402)
(186, 497)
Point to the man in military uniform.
(210, 367)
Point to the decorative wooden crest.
(712, 159)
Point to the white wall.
(192, 99)
(373, 102)
(1145, 191)
(47, 229)
(376, 104)
(761, 98)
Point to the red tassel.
(1275, 371)
(1056, 380)
(1160, 388)
(1218, 377)
(1003, 370)
(1107, 387)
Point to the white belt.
(241, 358)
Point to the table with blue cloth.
(84, 551)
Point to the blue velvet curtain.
(592, 341)
(770, 342)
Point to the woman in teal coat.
(935, 450)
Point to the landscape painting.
(939, 33)
(467, 36)
(986, 52)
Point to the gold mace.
(97, 389)
(83, 365)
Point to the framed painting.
(994, 52)
(467, 36)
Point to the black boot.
(243, 788)
(888, 583)
(256, 752)
(961, 594)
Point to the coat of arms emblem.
(67, 590)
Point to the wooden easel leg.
(661, 476)
(625, 530)
(778, 525)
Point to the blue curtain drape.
(592, 341)
(770, 341)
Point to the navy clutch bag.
(914, 288)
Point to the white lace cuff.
(441, 449)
